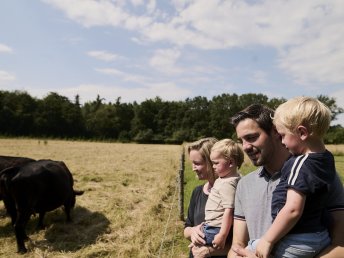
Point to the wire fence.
(179, 189)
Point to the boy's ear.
(231, 163)
(303, 132)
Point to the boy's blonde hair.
(203, 146)
(230, 150)
(306, 111)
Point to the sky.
(176, 49)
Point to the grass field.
(129, 208)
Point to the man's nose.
(246, 145)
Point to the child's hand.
(219, 241)
(263, 248)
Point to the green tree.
(58, 117)
(331, 103)
(17, 111)
(222, 108)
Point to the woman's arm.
(283, 223)
(336, 249)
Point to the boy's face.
(199, 165)
(291, 141)
(221, 166)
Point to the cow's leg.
(40, 224)
(19, 228)
(67, 210)
(11, 209)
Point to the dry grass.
(129, 190)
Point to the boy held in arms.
(299, 200)
(227, 157)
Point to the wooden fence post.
(181, 185)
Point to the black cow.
(9, 161)
(36, 187)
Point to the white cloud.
(6, 77)
(259, 77)
(126, 77)
(165, 61)
(5, 49)
(103, 55)
(307, 35)
(87, 92)
(100, 13)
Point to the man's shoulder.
(251, 175)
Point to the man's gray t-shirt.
(253, 200)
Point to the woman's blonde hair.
(306, 111)
(230, 150)
(203, 146)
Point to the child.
(299, 200)
(227, 157)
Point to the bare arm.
(336, 249)
(240, 237)
(283, 223)
(227, 221)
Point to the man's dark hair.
(257, 112)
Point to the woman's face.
(199, 165)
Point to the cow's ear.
(78, 192)
(9, 173)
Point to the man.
(252, 214)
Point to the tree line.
(151, 121)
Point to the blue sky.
(140, 49)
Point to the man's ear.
(303, 132)
(277, 135)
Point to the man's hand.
(263, 248)
(242, 252)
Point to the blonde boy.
(299, 200)
(227, 157)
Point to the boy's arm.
(336, 249)
(283, 223)
(227, 221)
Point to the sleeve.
(336, 195)
(238, 211)
(228, 194)
(189, 221)
(301, 177)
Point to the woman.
(199, 154)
